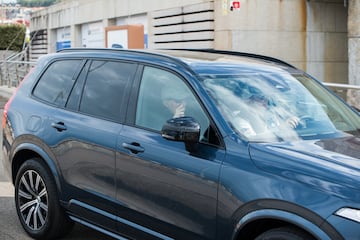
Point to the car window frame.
(134, 95)
(127, 90)
(86, 62)
(45, 69)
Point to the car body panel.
(87, 166)
(312, 163)
(174, 190)
(272, 190)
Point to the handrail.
(13, 71)
(15, 56)
(18, 62)
(343, 91)
(341, 85)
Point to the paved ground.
(10, 226)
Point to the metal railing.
(342, 86)
(14, 68)
(350, 93)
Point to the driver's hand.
(179, 110)
(293, 121)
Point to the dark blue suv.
(181, 144)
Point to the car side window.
(162, 96)
(57, 81)
(104, 90)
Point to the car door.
(166, 191)
(83, 139)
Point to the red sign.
(235, 5)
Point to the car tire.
(37, 202)
(284, 233)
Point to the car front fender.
(285, 212)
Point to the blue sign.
(62, 45)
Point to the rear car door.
(165, 190)
(83, 136)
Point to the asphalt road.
(11, 228)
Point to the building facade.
(321, 37)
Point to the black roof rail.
(233, 53)
(240, 54)
(88, 49)
(118, 50)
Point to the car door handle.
(133, 147)
(60, 126)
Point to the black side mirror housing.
(182, 129)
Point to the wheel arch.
(258, 216)
(26, 151)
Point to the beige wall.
(327, 44)
(271, 27)
(71, 12)
(74, 13)
(311, 34)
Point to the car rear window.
(56, 83)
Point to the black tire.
(285, 233)
(37, 202)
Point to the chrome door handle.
(60, 126)
(133, 147)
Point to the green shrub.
(12, 37)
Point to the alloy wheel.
(33, 200)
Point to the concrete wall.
(311, 34)
(327, 56)
(72, 12)
(190, 26)
(270, 27)
(76, 13)
(354, 51)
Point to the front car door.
(166, 191)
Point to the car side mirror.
(182, 129)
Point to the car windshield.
(280, 107)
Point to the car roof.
(227, 62)
(201, 61)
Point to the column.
(354, 51)
(75, 33)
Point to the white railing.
(342, 86)
(14, 68)
(350, 93)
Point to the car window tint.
(104, 88)
(56, 83)
(162, 96)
